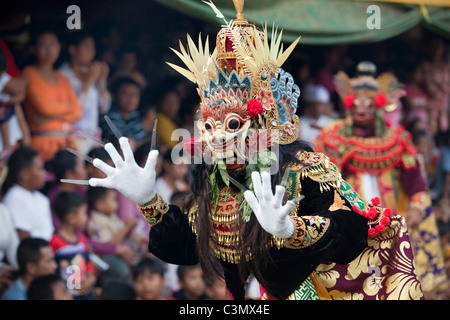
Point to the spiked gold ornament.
(244, 55)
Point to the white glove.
(134, 182)
(268, 208)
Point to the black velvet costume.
(341, 240)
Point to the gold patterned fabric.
(392, 159)
(308, 230)
(383, 271)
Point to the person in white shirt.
(9, 240)
(316, 112)
(29, 209)
(89, 81)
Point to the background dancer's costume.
(316, 248)
(379, 160)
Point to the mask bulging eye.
(233, 123)
(209, 125)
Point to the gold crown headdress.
(244, 66)
(384, 89)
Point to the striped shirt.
(131, 128)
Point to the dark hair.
(183, 269)
(254, 236)
(128, 49)
(62, 162)
(119, 82)
(180, 195)
(21, 158)
(95, 194)
(40, 28)
(167, 157)
(75, 37)
(29, 251)
(142, 152)
(417, 135)
(99, 153)
(41, 288)
(67, 202)
(149, 265)
(209, 281)
(117, 289)
(162, 95)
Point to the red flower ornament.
(380, 100)
(372, 232)
(348, 101)
(254, 107)
(375, 201)
(387, 212)
(372, 213)
(385, 221)
(379, 228)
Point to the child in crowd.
(51, 105)
(64, 165)
(70, 245)
(48, 287)
(128, 61)
(149, 279)
(30, 210)
(105, 226)
(192, 285)
(215, 288)
(102, 154)
(317, 113)
(148, 116)
(89, 81)
(124, 112)
(172, 177)
(122, 250)
(35, 258)
(168, 106)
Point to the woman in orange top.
(50, 103)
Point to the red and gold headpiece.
(241, 84)
(385, 89)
